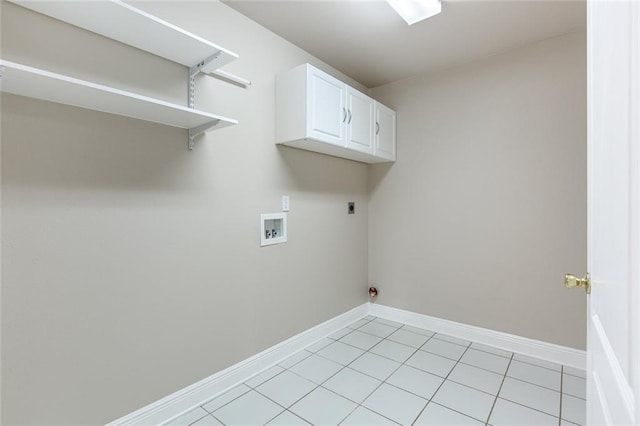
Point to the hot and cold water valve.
(273, 228)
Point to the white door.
(385, 132)
(327, 110)
(613, 324)
(359, 121)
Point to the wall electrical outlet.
(285, 203)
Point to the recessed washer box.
(273, 228)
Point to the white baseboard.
(509, 342)
(182, 401)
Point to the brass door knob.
(571, 281)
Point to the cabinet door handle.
(349, 122)
(344, 117)
(377, 127)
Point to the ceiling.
(368, 41)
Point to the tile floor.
(378, 372)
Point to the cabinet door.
(326, 112)
(359, 121)
(385, 133)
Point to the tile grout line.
(343, 367)
(381, 381)
(385, 380)
(561, 383)
(415, 350)
(504, 377)
(441, 384)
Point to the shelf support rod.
(231, 78)
(194, 132)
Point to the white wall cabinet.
(385, 132)
(317, 112)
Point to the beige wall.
(131, 266)
(485, 209)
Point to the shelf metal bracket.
(203, 67)
(193, 71)
(194, 132)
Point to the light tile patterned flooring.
(377, 372)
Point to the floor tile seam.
(293, 414)
(443, 356)
(408, 391)
(195, 421)
(350, 330)
(273, 418)
(363, 349)
(342, 367)
(560, 405)
(359, 404)
(393, 341)
(504, 377)
(415, 351)
(361, 319)
(221, 422)
(491, 353)
(574, 396)
(228, 402)
(482, 368)
(387, 322)
(382, 337)
(273, 377)
(472, 387)
(297, 362)
(567, 393)
(346, 397)
(573, 375)
(354, 346)
(389, 384)
(529, 407)
(535, 384)
(384, 356)
(246, 382)
(440, 386)
(379, 386)
(306, 348)
(537, 365)
(532, 383)
(369, 409)
(435, 336)
(419, 334)
(294, 402)
(455, 411)
(354, 360)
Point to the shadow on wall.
(51, 145)
(313, 172)
(377, 174)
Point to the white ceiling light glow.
(414, 11)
